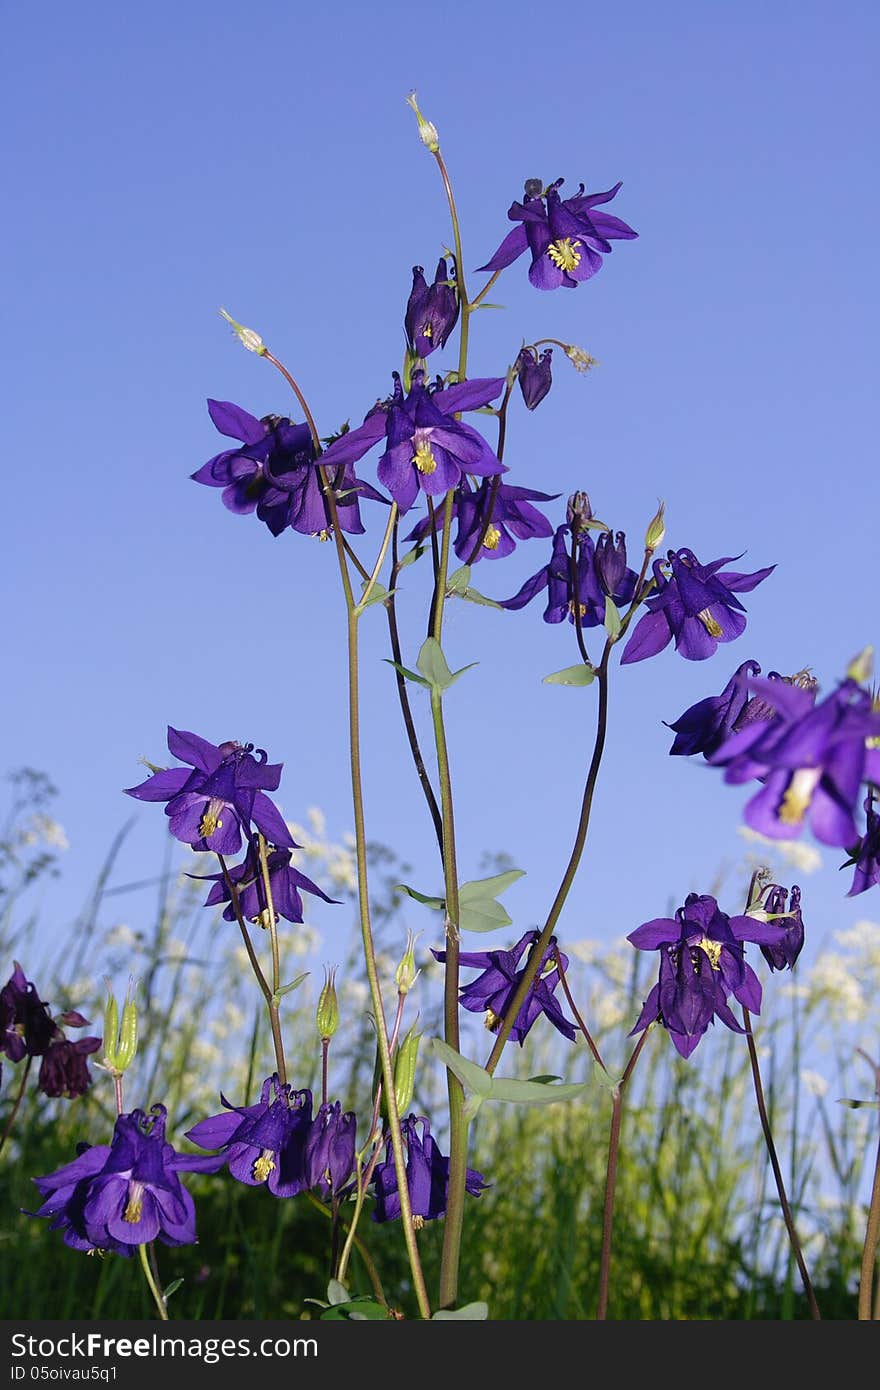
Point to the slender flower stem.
(777, 1171)
(380, 559)
(496, 481)
(576, 601)
(611, 1178)
(265, 988)
(153, 1286)
(19, 1095)
(325, 1054)
(872, 1230)
(477, 301)
(461, 287)
(310, 420)
(117, 1086)
(588, 1039)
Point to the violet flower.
(26, 1026)
(702, 963)
(64, 1070)
(565, 237)
(426, 447)
(427, 1176)
(329, 1157)
(492, 991)
(431, 311)
(704, 727)
(211, 806)
(511, 517)
(866, 854)
(534, 376)
(262, 1143)
(695, 604)
(588, 591)
(127, 1193)
(784, 952)
(286, 883)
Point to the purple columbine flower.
(695, 604)
(210, 806)
(431, 311)
(286, 883)
(275, 473)
(866, 854)
(811, 757)
(492, 992)
(126, 1193)
(426, 447)
(329, 1157)
(587, 591)
(507, 509)
(704, 727)
(262, 1143)
(702, 963)
(64, 1070)
(427, 1176)
(26, 1026)
(533, 375)
(785, 952)
(566, 237)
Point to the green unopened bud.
(405, 1070)
(580, 360)
(246, 336)
(861, 668)
(656, 530)
(406, 974)
(327, 1014)
(427, 129)
(120, 1040)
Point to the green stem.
(461, 287)
(265, 988)
(7, 1129)
(369, 1266)
(869, 1252)
(370, 582)
(274, 1004)
(153, 1286)
(477, 301)
(611, 1179)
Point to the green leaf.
(171, 1289)
(471, 1312)
(360, 1309)
(378, 594)
(435, 668)
(468, 1073)
(858, 1104)
(294, 984)
(337, 1293)
(411, 556)
(533, 1092)
(484, 914)
(405, 671)
(489, 887)
(438, 903)
(545, 1079)
(572, 675)
(459, 585)
(612, 619)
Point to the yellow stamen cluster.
(211, 819)
(712, 950)
(423, 459)
(709, 623)
(321, 535)
(491, 538)
(135, 1205)
(798, 795)
(492, 1021)
(264, 1165)
(564, 253)
(418, 1222)
(581, 606)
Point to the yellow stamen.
(713, 951)
(423, 459)
(263, 919)
(427, 331)
(492, 1021)
(798, 795)
(321, 535)
(418, 1222)
(264, 1165)
(491, 538)
(712, 627)
(581, 606)
(211, 819)
(135, 1205)
(564, 253)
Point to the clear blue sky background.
(161, 161)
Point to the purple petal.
(651, 634)
(237, 423)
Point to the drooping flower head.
(329, 1157)
(702, 962)
(696, 604)
(498, 512)
(126, 1193)
(811, 757)
(776, 909)
(431, 311)
(866, 854)
(26, 1026)
(574, 579)
(565, 237)
(705, 726)
(286, 883)
(533, 372)
(427, 1176)
(210, 806)
(426, 447)
(493, 990)
(64, 1070)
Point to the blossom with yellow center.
(564, 253)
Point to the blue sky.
(166, 160)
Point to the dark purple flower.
(285, 881)
(431, 311)
(427, 1176)
(426, 447)
(210, 806)
(866, 854)
(26, 1026)
(558, 578)
(126, 1193)
(695, 604)
(785, 952)
(811, 757)
(330, 1150)
(508, 511)
(492, 992)
(705, 726)
(263, 1143)
(702, 963)
(64, 1070)
(566, 237)
(533, 375)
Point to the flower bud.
(861, 667)
(578, 512)
(580, 360)
(533, 373)
(406, 974)
(405, 1070)
(327, 1013)
(427, 129)
(246, 336)
(656, 530)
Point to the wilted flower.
(702, 963)
(569, 583)
(496, 511)
(64, 1070)
(695, 604)
(566, 237)
(431, 311)
(126, 1193)
(427, 1176)
(209, 807)
(533, 375)
(492, 992)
